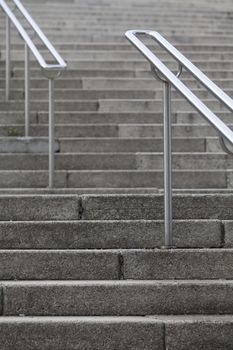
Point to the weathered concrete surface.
(107, 234)
(26, 145)
(228, 233)
(198, 332)
(178, 264)
(18, 208)
(92, 298)
(59, 264)
(81, 333)
(150, 207)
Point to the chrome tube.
(8, 57)
(27, 90)
(167, 166)
(51, 133)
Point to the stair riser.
(51, 334)
(113, 207)
(118, 299)
(112, 234)
(116, 179)
(117, 161)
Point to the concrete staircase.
(81, 266)
(109, 107)
(87, 272)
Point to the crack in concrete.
(121, 275)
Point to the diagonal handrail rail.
(51, 71)
(169, 79)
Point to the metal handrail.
(169, 79)
(51, 71)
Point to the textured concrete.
(140, 178)
(118, 298)
(116, 179)
(58, 264)
(107, 234)
(25, 145)
(178, 264)
(128, 144)
(118, 161)
(30, 179)
(150, 207)
(228, 233)
(39, 208)
(195, 332)
(77, 333)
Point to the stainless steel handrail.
(51, 71)
(169, 79)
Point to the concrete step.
(108, 105)
(18, 144)
(108, 37)
(110, 130)
(105, 37)
(79, 333)
(190, 264)
(115, 161)
(133, 333)
(126, 145)
(76, 54)
(61, 105)
(117, 179)
(151, 105)
(117, 298)
(194, 118)
(114, 73)
(211, 73)
(113, 234)
(125, 46)
(71, 94)
(85, 117)
(113, 207)
(139, 63)
(96, 83)
(109, 191)
(177, 264)
(40, 208)
(135, 83)
(80, 94)
(78, 73)
(59, 264)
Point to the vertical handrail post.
(51, 133)
(27, 90)
(8, 57)
(167, 166)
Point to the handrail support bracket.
(224, 146)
